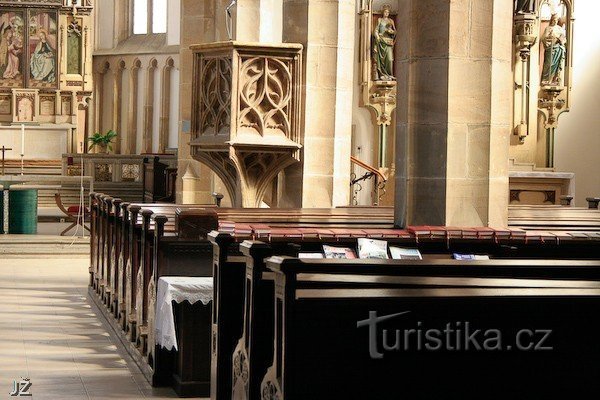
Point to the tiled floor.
(50, 333)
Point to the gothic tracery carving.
(246, 114)
(265, 95)
(215, 96)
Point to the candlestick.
(22, 139)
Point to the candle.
(22, 139)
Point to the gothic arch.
(132, 116)
(165, 94)
(149, 107)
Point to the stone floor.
(51, 333)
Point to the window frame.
(149, 19)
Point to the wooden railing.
(379, 181)
(121, 175)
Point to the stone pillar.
(116, 119)
(454, 112)
(99, 90)
(326, 29)
(197, 26)
(247, 21)
(133, 107)
(149, 108)
(165, 94)
(271, 18)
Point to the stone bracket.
(247, 172)
(551, 105)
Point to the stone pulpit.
(246, 114)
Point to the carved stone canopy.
(246, 113)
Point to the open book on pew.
(310, 255)
(470, 257)
(401, 253)
(372, 249)
(339, 252)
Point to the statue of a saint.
(554, 41)
(384, 37)
(525, 6)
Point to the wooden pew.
(171, 257)
(325, 312)
(106, 225)
(304, 219)
(196, 216)
(121, 259)
(129, 236)
(105, 220)
(226, 331)
(251, 353)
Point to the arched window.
(159, 16)
(149, 16)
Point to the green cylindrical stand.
(22, 213)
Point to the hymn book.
(372, 249)
(400, 253)
(339, 252)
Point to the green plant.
(99, 139)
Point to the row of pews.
(289, 328)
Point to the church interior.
(299, 199)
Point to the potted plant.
(103, 142)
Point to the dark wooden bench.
(328, 345)
(148, 245)
(243, 305)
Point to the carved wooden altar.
(246, 114)
(45, 62)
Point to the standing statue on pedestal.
(554, 40)
(384, 37)
(525, 6)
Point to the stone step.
(28, 246)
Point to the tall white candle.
(22, 139)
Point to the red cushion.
(75, 210)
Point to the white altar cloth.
(178, 289)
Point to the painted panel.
(43, 60)
(12, 44)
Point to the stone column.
(165, 101)
(271, 19)
(99, 89)
(149, 108)
(326, 28)
(197, 26)
(247, 21)
(116, 119)
(132, 116)
(454, 112)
